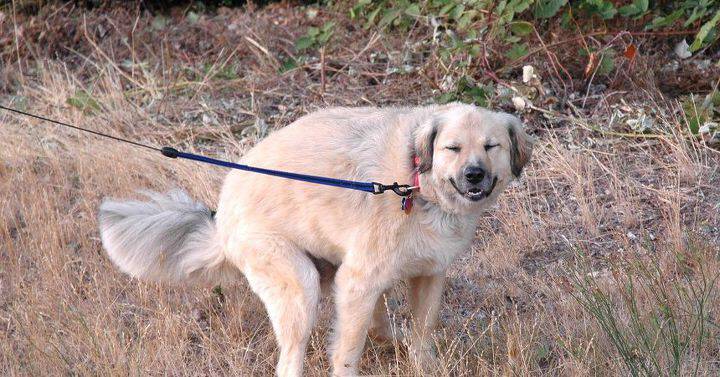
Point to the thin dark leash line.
(82, 129)
(371, 187)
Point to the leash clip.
(401, 190)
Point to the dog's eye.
(453, 148)
(490, 146)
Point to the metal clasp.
(401, 190)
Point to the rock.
(703, 65)
(682, 50)
(714, 141)
(532, 80)
(311, 13)
(672, 66)
(519, 103)
(209, 120)
(710, 133)
(528, 73)
(708, 127)
(641, 124)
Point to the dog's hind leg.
(289, 285)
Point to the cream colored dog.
(276, 231)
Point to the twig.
(626, 134)
(429, 79)
(579, 29)
(597, 67)
(132, 44)
(17, 45)
(322, 70)
(265, 51)
(592, 77)
(554, 61)
(604, 99)
(107, 58)
(213, 69)
(594, 128)
(488, 71)
(518, 61)
(373, 39)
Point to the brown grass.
(590, 215)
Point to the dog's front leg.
(357, 291)
(381, 328)
(425, 297)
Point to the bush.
(509, 19)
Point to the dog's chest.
(432, 245)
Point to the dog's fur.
(279, 233)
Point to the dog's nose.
(474, 174)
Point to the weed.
(656, 319)
(83, 101)
(315, 37)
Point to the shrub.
(501, 19)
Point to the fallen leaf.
(630, 52)
(592, 63)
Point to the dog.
(278, 233)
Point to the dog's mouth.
(475, 193)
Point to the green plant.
(472, 19)
(655, 319)
(469, 92)
(386, 13)
(548, 8)
(463, 27)
(221, 72)
(635, 9)
(84, 101)
(601, 62)
(699, 112)
(315, 37)
(707, 33)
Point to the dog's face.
(469, 155)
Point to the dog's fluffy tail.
(171, 238)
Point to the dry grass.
(546, 290)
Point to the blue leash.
(371, 187)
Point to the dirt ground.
(602, 260)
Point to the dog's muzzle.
(477, 192)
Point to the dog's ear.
(424, 140)
(521, 146)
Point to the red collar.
(407, 202)
(416, 173)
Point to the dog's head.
(468, 155)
